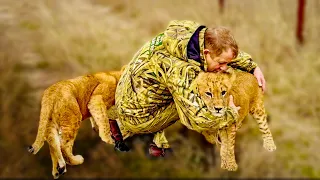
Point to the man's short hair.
(219, 39)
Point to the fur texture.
(215, 89)
(64, 106)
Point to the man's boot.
(117, 136)
(155, 151)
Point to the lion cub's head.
(214, 90)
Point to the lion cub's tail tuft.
(30, 149)
(45, 116)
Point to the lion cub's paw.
(269, 145)
(230, 166)
(79, 159)
(59, 171)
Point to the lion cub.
(215, 89)
(63, 107)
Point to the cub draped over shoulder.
(63, 107)
(215, 90)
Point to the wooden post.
(300, 21)
(221, 6)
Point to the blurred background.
(43, 42)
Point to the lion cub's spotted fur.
(215, 90)
(64, 105)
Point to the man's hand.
(259, 75)
(232, 105)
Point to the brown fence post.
(221, 6)
(300, 21)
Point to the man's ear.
(206, 51)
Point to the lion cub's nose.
(217, 109)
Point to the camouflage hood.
(185, 40)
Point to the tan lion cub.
(215, 89)
(64, 105)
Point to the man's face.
(219, 63)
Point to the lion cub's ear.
(201, 75)
(229, 70)
(123, 68)
(198, 81)
(231, 73)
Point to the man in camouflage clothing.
(157, 87)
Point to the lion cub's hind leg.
(69, 127)
(55, 165)
(259, 114)
(58, 163)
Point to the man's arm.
(244, 62)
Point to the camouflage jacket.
(157, 87)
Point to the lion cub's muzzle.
(218, 111)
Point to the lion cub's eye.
(208, 94)
(223, 93)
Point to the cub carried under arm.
(63, 107)
(215, 89)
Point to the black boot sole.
(121, 146)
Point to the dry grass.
(46, 41)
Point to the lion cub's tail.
(45, 115)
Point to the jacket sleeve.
(192, 111)
(243, 62)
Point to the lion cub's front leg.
(227, 137)
(228, 160)
(98, 111)
(259, 114)
(94, 125)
